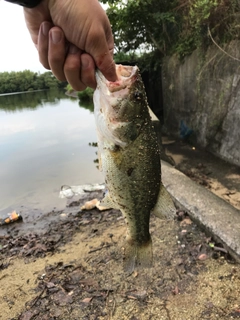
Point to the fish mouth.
(126, 77)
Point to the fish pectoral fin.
(165, 207)
(107, 202)
(137, 256)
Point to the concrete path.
(217, 217)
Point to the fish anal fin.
(164, 208)
(107, 202)
(137, 256)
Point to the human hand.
(73, 37)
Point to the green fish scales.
(129, 158)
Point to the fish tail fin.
(137, 256)
(164, 208)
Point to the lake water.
(44, 144)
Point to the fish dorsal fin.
(164, 208)
(107, 202)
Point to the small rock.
(186, 221)
(87, 300)
(175, 291)
(202, 256)
(140, 295)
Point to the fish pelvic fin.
(165, 207)
(137, 256)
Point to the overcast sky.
(17, 51)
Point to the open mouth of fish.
(126, 77)
(114, 107)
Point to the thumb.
(101, 49)
(106, 65)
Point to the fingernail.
(56, 36)
(84, 63)
(73, 49)
(45, 29)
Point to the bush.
(86, 95)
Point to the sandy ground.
(74, 269)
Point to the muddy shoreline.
(73, 268)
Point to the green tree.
(143, 24)
(28, 81)
(177, 26)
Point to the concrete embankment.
(201, 95)
(215, 215)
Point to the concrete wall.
(203, 92)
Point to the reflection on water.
(30, 100)
(44, 143)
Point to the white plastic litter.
(69, 192)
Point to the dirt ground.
(73, 270)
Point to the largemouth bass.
(129, 158)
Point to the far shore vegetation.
(85, 96)
(19, 81)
